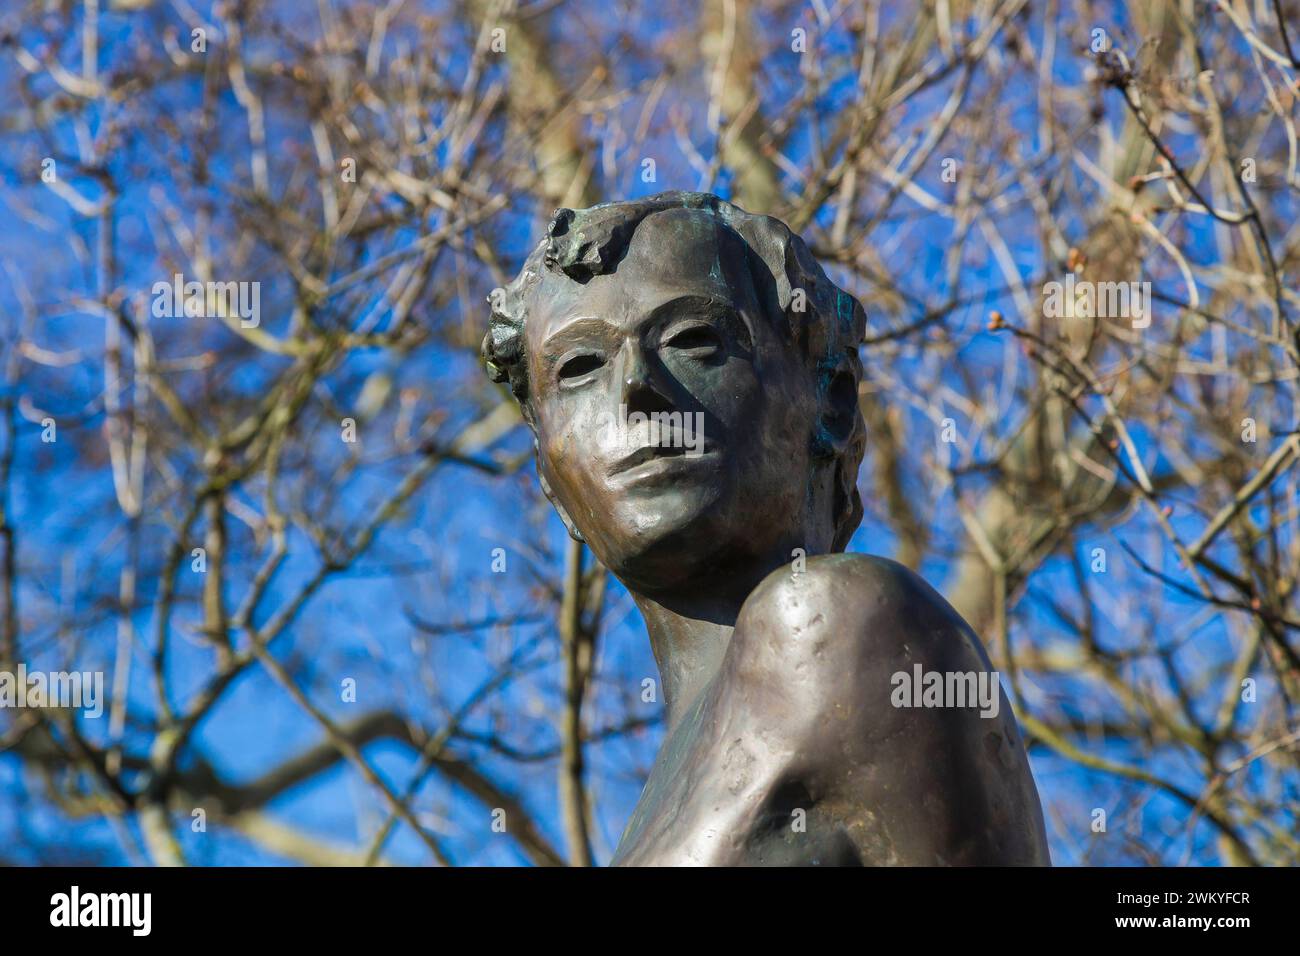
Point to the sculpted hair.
(822, 321)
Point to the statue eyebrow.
(573, 332)
(707, 305)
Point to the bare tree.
(301, 538)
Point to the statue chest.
(723, 793)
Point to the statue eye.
(580, 365)
(700, 340)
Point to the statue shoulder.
(833, 637)
(882, 697)
(857, 608)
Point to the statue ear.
(840, 436)
(839, 411)
(574, 533)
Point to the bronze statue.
(690, 375)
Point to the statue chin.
(675, 566)
(657, 567)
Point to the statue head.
(690, 376)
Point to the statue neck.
(689, 633)
(690, 630)
(688, 646)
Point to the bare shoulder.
(885, 701)
(856, 611)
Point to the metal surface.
(779, 655)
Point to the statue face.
(677, 337)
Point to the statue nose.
(642, 392)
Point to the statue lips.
(651, 462)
